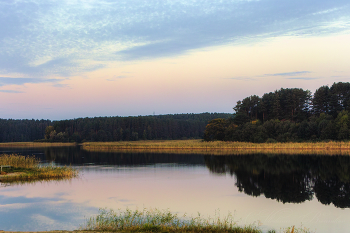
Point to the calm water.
(272, 191)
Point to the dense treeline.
(290, 114)
(22, 130)
(178, 126)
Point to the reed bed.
(28, 168)
(35, 144)
(154, 220)
(18, 161)
(220, 147)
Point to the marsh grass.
(220, 147)
(18, 161)
(28, 168)
(154, 220)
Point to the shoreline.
(35, 144)
(198, 146)
(219, 147)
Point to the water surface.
(272, 191)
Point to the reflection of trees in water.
(291, 179)
(286, 178)
(333, 191)
(284, 187)
(75, 156)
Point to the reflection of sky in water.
(27, 213)
(181, 189)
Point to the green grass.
(29, 169)
(219, 147)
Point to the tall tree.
(321, 100)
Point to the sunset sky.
(63, 59)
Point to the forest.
(287, 115)
(22, 130)
(171, 126)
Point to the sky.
(64, 59)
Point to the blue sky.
(67, 59)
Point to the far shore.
(35, 144)
(198, 146)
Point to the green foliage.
(316, 129)
(240, 118)
(215, 130)
(321, 100)
(289, 115)
(289, 104)
(48, 131)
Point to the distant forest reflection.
(285, 178)
(289, 179)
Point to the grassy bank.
(29, 169)
(35, 144)
(219, 147)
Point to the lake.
(271, 191)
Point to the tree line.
(164, 127)
(171, 126)
(288, 114)
(22, 130)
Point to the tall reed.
(18, 161)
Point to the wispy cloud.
(117, 77)
(11, 91)
(303, 78)
(242, 78)
(296, 73)
(5, 81)
(338, 76)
